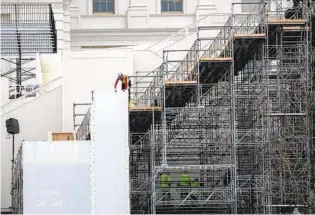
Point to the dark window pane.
(103, 6)
(164, 5)
(110, 6)
(179, 6)
(96, 6)
(172, 6)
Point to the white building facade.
(110, 23)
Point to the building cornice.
(165, 31)
(114, 37)
(115, 40)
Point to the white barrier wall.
(36, 119)
(56, 177)
(110, 152)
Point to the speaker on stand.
(12, 128)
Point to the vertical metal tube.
(164, 132)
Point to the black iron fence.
(27, 29)
(25, 13)
(53, 27)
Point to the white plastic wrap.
(56, 177)
(110, 136)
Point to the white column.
(59, 23)
(66, 29)
(137, 14)
(204, 9)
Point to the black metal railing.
(53, 27)
(25, 13)
(27, 29)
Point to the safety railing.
(53, 26)
(278, 10)
(83, 132)
(16, 91)
(213, 19)
(142, 96)
(146, 89)
(17, 183)
(254, 22)
(140, 185)
(220, 46)
(27, 97)
(25, 13)
(186, 71)
(194, 196)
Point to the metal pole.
(164, 74)
(19, 60)
(13, 147)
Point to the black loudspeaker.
(13, 126)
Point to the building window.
(103, 6)
(172, 5)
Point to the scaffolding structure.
(237, 116)
(236, 113)
(17, 183)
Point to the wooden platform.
(245, 36)
(287, 22)
(61, 136)
(295, 28)
(179, 82)
(223, 59)
(148, 108)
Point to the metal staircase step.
(24, 28)
(31, 37)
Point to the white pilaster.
(59, 23)
(137, 14)
(67, 26)
(204, 8)
(75, 16)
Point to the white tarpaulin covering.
(56, 177)
(111, 171)
(51, 67)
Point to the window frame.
(171, 12)
(104, 13)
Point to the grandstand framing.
(226, 124)
(237, 115)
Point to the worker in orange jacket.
(124, 80)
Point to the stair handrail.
(53, 26)
(218, 45)
(42, 90)
(184, 31)
(152, 87)
(215, 45)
